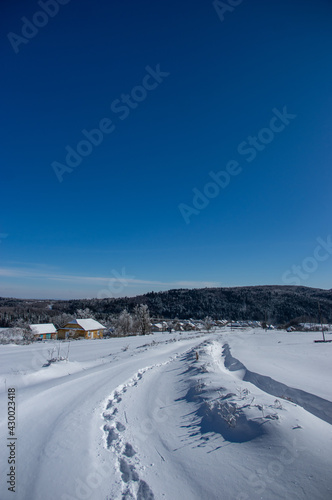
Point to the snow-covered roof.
(43, 328)
(88, 324)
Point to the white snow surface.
(142, 418)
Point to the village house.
(44, 331)
(85, 328)
(159, 327)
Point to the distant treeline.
(278, 305)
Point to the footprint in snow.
(111, 436)
(129, 451)
(116, 399)
(110, 416)
(114, 440)
(127, 495)
(144, 491)
(128, 471)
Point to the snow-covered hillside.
(225, 415)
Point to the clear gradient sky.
(212, 164)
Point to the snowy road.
(59, 421)
(141, 418)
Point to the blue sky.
(177, 91)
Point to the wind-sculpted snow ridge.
(235, 416)
(319, 407)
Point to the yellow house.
(86, 328)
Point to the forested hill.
(275, 304)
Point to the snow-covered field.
(142, 418)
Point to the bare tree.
(124, 323)
(27, 334)
(84, 313)
(11, 335)
(62, 319)
(142, 319)
(208, 323)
